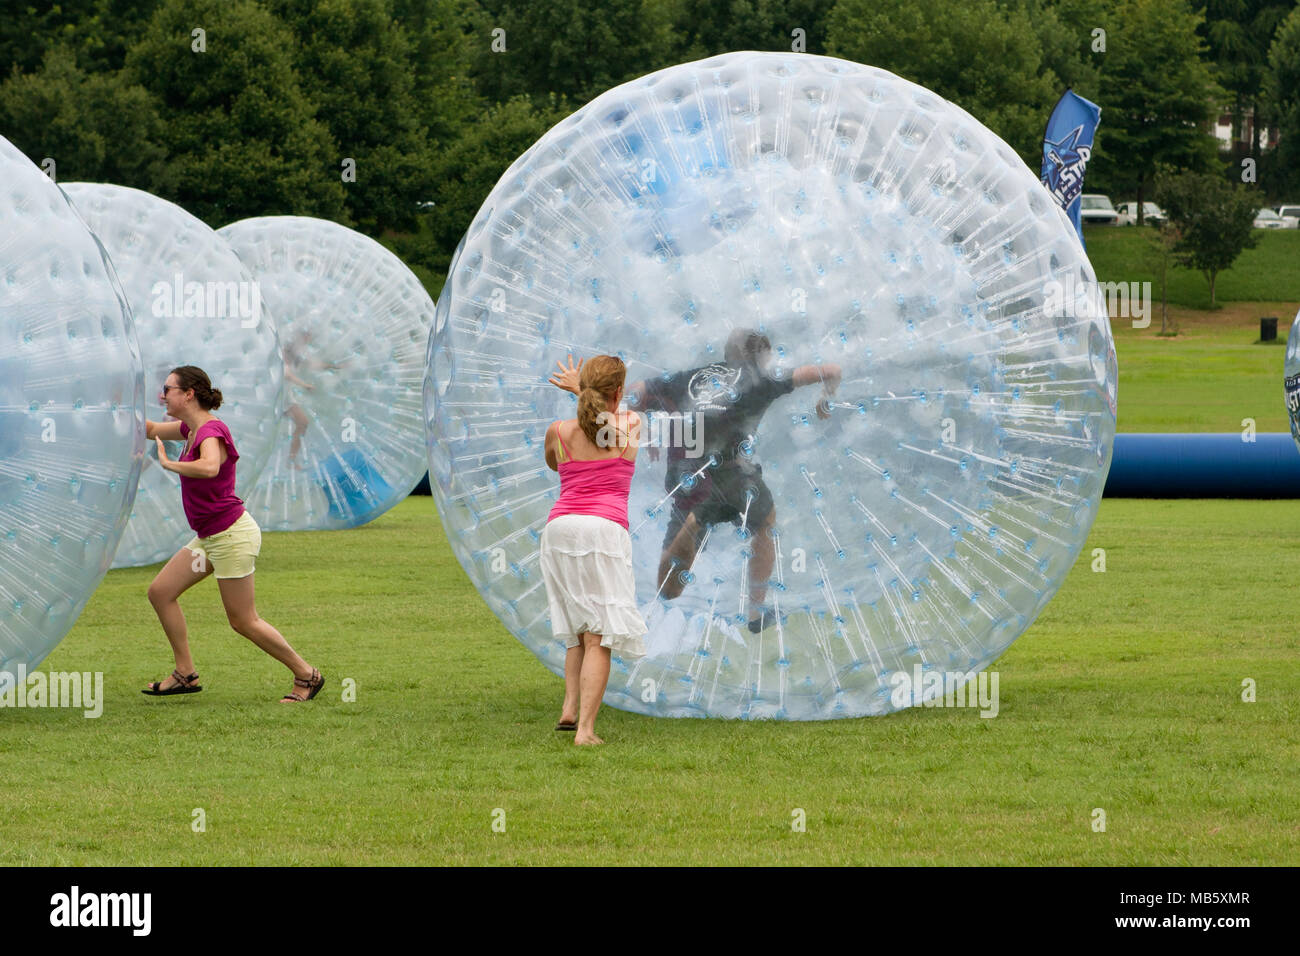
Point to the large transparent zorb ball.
(193, 302)
(354, 325)
(1291, 379)
(854, 221)
(71, 415)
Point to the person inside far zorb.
(725, 402)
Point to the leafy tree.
(704, 28)
(572, 48)
(353, 63)
(981, 55)
(1064, 30)
(467, 170)
(1156, 96)
(96, 127)
(29, 30)
(1161, 253)
(244, 140)
(1213, 217)
(1282, 87)
(98, 32)
(1239, 34)
(441, 38)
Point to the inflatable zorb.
(193, 303)
(735, 229)
(71, 415)
(1291, 379)
(354, 326)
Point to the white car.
(1268, 219)
(1290, 215)
(1096, 209)
(1152, 215)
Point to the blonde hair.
(598, 383)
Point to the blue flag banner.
(1067, 147)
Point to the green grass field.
(1124, 696)
(1207, 378)
(1213, 373)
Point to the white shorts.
(233, 552)
(587, 567)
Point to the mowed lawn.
(1213, 373)
(1124, 697)
(1208, 378)
(1268, 272)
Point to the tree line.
(397, 117)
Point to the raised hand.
(567, 377)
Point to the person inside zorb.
(717, 480)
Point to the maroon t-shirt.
(210, 503)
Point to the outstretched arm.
(296, 380)
(171, 431)
(829, 377)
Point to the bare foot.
(585, 739)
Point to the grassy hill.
(1268, 273)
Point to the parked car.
(1096, 209)
(1268, 219)
(1151, 214)
(1290, 215)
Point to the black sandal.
(311, 684)
(183, 685)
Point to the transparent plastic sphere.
(193, 302)
(71, 413)
(354, 325)
(851, 222)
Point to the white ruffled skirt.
(587, 567)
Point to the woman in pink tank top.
(226, 538)
(586, 551)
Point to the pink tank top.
(597, 488)
(210, 503)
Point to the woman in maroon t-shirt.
(227, 539)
